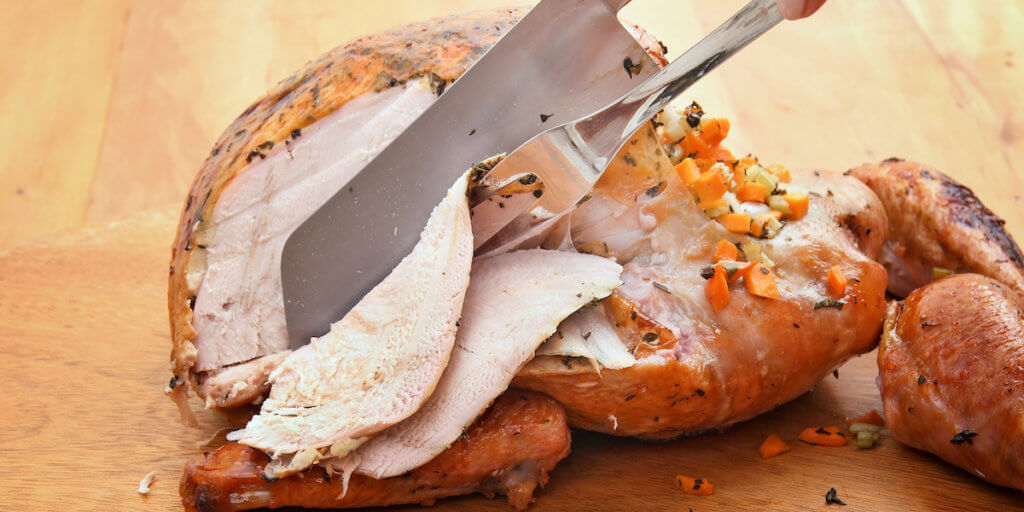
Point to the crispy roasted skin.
(717, 376)
(509, 450)
(444, 47)
(934, 221)
(951, 360)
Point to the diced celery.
(751, 250)
(778, 203)
(864, 427)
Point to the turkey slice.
(379, 363)
(515, 301)
(589, 333)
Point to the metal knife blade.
(564, 59)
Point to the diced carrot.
(736, 222)
(824, 436)
(772, 446)
(718, 289)
(781, 172)
(746, 162)
(704, 163)
(872, 417)
(742, 271)
(714, 131)
(750, 191)
(761, 282)
(710, 185)
(738, 174)
(777, 214)
(836, 280)
(798, 203)
(688, 171)
(693, 145)
(698, 486)
(718, 154)
(760, 221)
(725, 250)
(717, 203)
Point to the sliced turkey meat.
(379, 363)
(589, 333)
(515, 301)
(275, 165)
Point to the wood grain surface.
(107, 108)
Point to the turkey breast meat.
(274, 166)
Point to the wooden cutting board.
(84, 347)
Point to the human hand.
(796, 9)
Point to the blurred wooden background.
(107, 107)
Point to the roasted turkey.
(690, 290)
(508, 451)
(951, 371)
(682, 367)
(937, 226)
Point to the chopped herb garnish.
(829, 303)
(693, 119)
(921, 380)
(632, 68)
(529, 179)
(629, 160)
(655, 190)
(699, 391)
(630, 397)
(964, 436)
(173, 383)
(544, 117)
(707, 272)
(296, 133)
(650, 337)
(831, 498)
(471, 132)
(537, 193)
(587, 335)
(835, 373)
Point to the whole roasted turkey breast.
(274, 166)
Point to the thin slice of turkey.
(589, 333)
(379, 363)
(515, 301)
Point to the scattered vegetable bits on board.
(823, 436)
(697, 486)
(773, 445)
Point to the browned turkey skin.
(936, 222)
(509, 450)
(951, 364)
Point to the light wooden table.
(107, 108)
